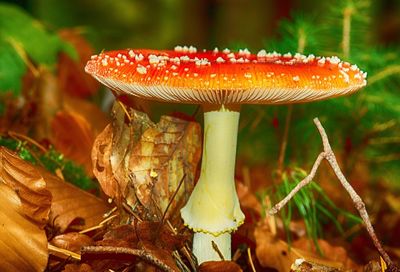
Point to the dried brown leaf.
(160, 235)
(71, 74)
(97, 119)
(275, 253)
(219, 266)
(77, 268)
(164, 156)
(332, 253)
(102, 170)
(148, 162)
(71, 204)
(72, 241)
(149, 241)
(125, 136)
(23, 245)
(73, 136)
(47, 99)
(248, 200)
(30, 186)
(301, 265)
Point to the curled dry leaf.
(73, 136)
(125, 137)
(27, 181)
(148, 161)
(72, 241)
(164, 156)
(275, 253)
(71, 204)
(301, 265)
(219, 266)
(332, 253)
(23, 245)
(101, 153)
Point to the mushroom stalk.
(213, 210)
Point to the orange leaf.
(71, 203)
(71, 74)
(273, 252)
(30, 186)
(97, 119)
(23, 245)
(73, 136)
(72, 241)
(219, 266)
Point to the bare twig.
(250, 260)
(358, 203)
(64, 252)
(215, 247)
(172, 199)
(128, 251)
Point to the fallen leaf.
(301, 265)
(332, 253)
(46, 100)
(73, 136)
(276, 253)
(219, 266)
(23, 244)
(97, 119)
(148, 162)
(71, 204)
(102, 170)
(71, 73)
(164, 156)
(72, 241)
(247, 199)
(148, 241)
(30, 186)
(77, 268)
(126, 134)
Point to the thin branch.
(300, 185)
(215, 247)
(128, 251)
(250, 260)
(358, 203)
(172, 199)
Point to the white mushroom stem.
(213, 210)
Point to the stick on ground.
(328, 155)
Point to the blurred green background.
(203, 23)
(364, 128)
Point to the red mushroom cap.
(213, 77)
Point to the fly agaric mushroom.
(221, 81)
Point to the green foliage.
(23, 38)
(311, 204)
(52, 161)
(364, 126)
(12, 68)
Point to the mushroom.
(221, 81)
